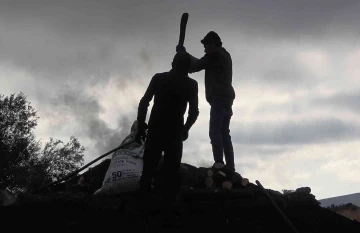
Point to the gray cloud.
(50, 56)
(289, 133)
(273, 17)
(349, 101)
(146, 59)
(86, 110)
(270, 150)
(304, 19)
(271, 66)
(73, 39)
(93, 36)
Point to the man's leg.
(152, 155)
(215, 130)
(172, 160)
(228, 147)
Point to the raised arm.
(197, 64)
(202, 63)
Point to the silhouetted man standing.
(166, 129)
(220, 95)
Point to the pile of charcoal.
(301, 196)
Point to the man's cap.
(212, 37)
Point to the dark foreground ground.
(202, 210)
(72, 207)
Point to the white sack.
(125, 168)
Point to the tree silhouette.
(61, 159)
(23, 165)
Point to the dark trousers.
(154, 146)
(219, 131)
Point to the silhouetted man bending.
(172, 91)
(220, 94)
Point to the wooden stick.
(277, 207)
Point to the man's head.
(211, 41)
(181, 62)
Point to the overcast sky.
(84, 65)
